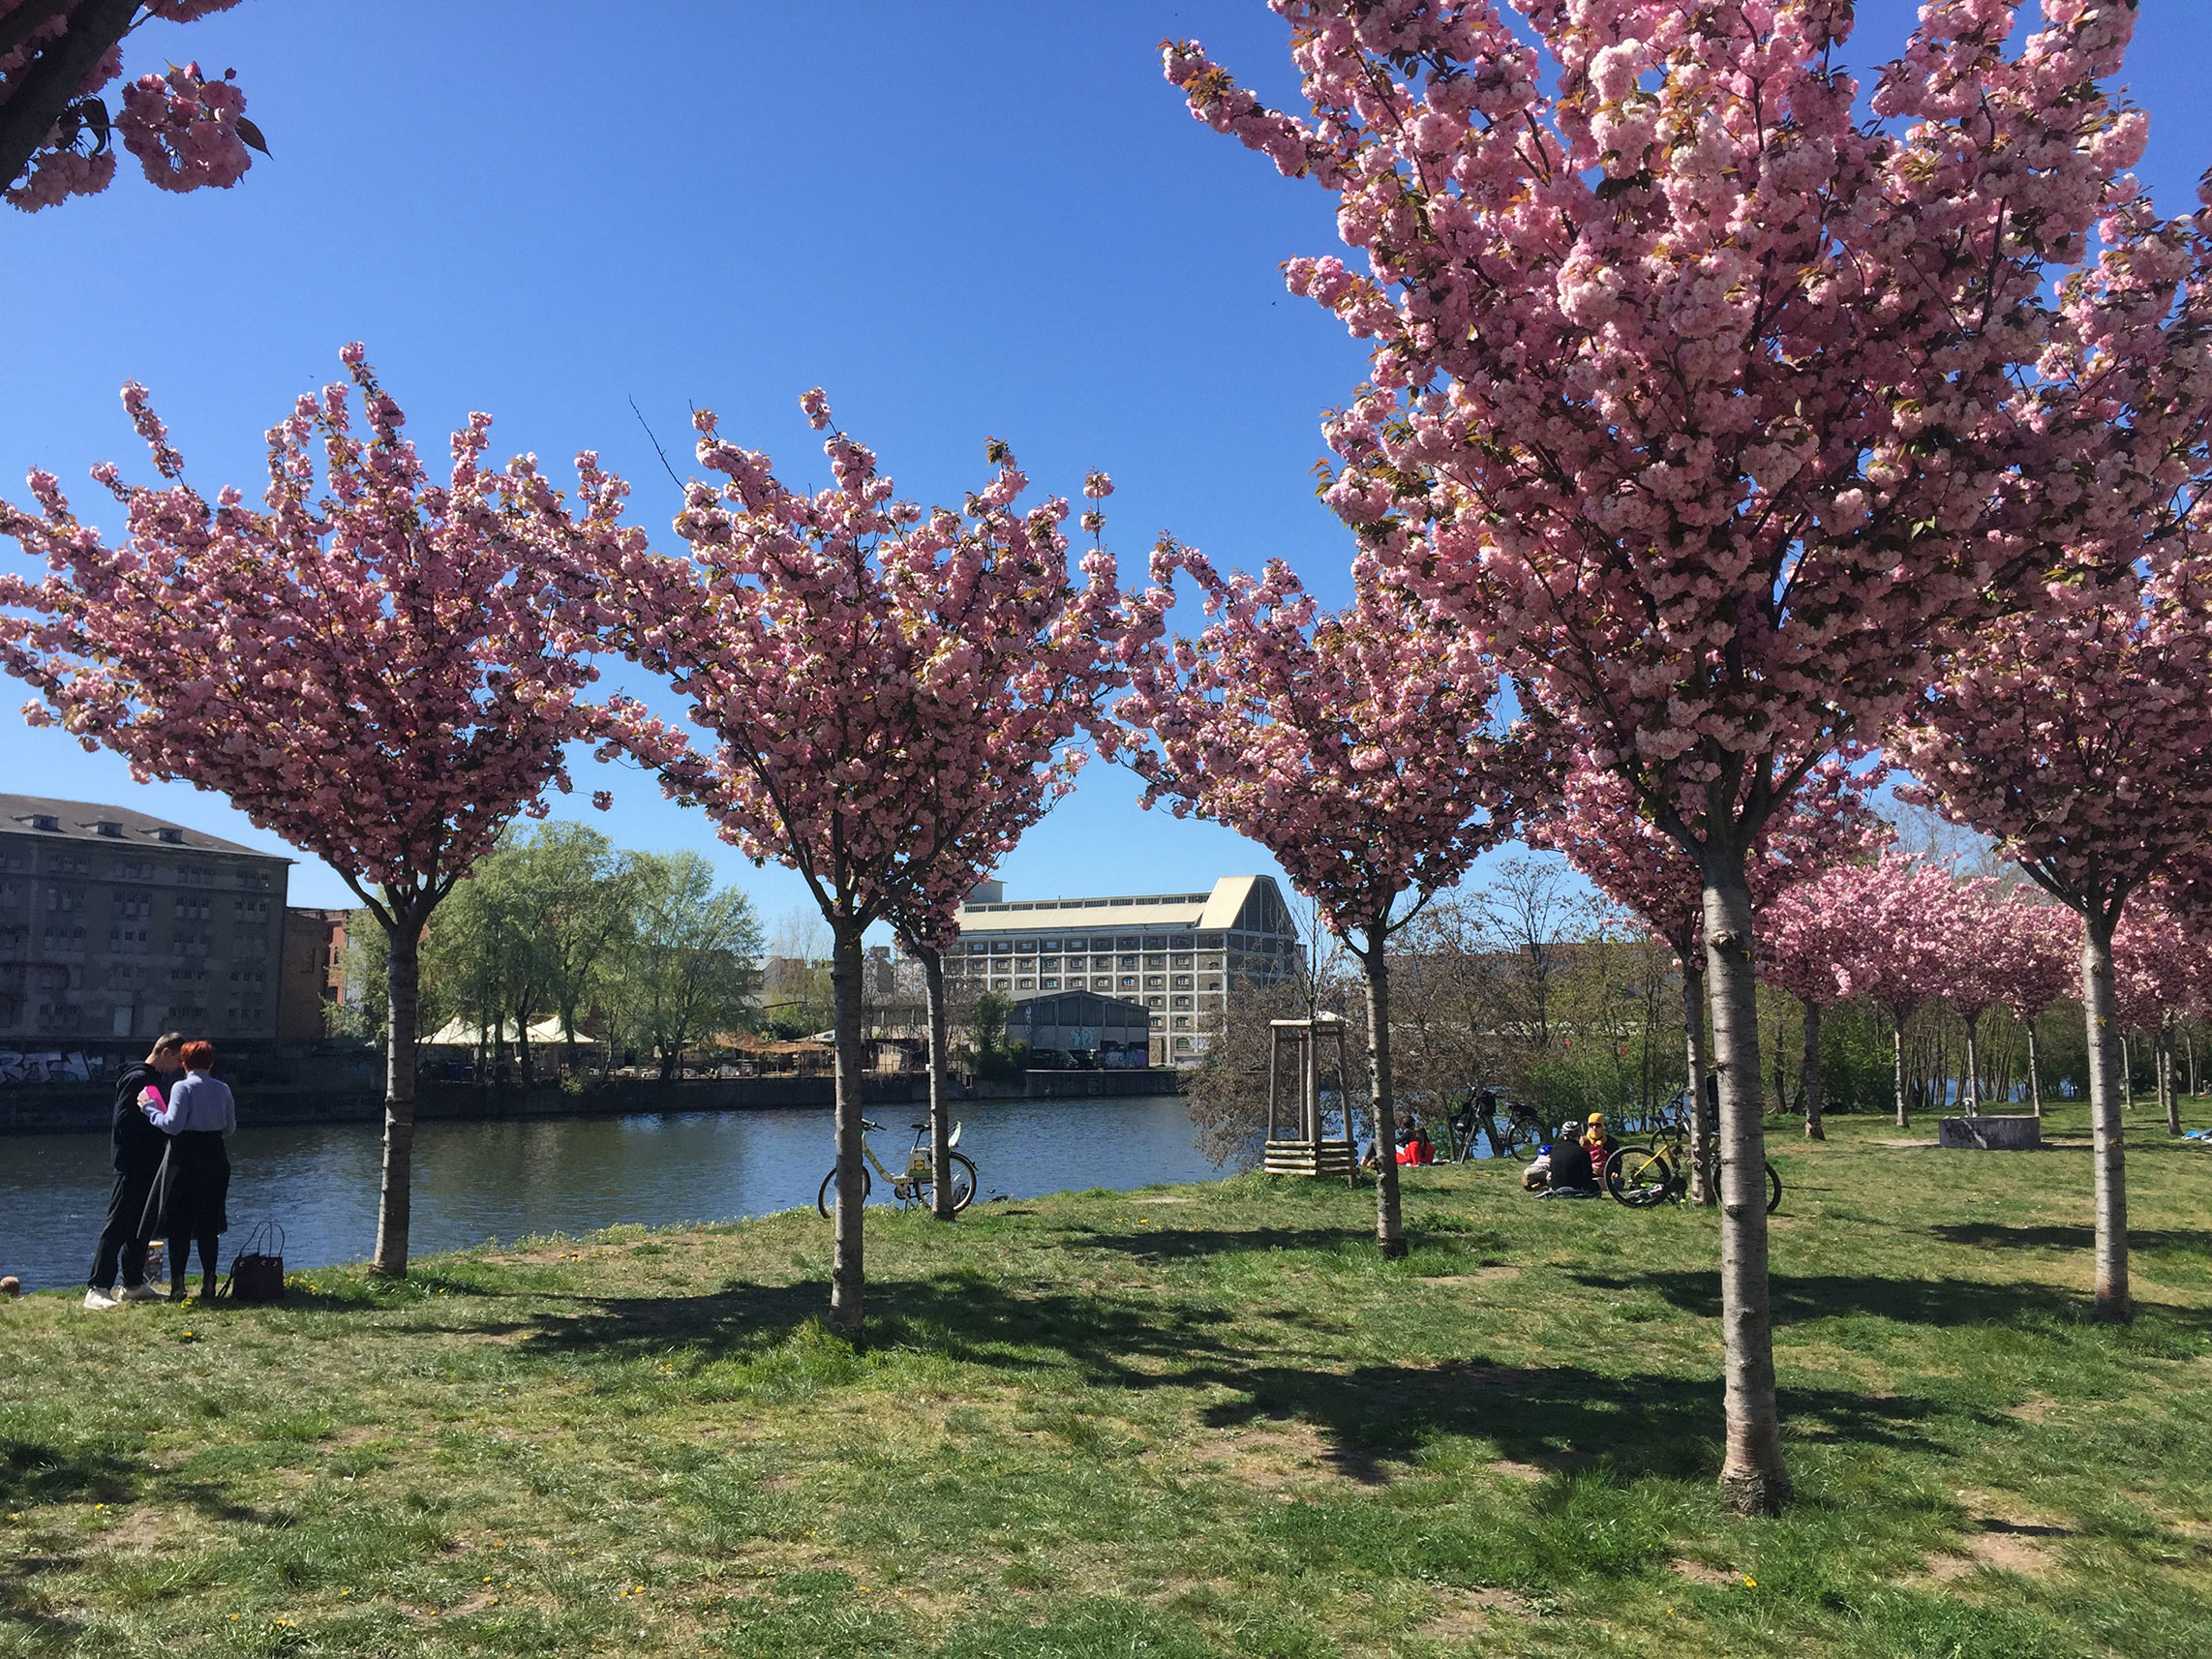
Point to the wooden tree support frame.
(1296, 1145)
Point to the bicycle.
(1641, 1176)
(914, 1184)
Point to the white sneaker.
(138, 1293)
(98, 1300)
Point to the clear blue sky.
(960, 218)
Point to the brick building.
(314, 974)
(115, 926)
(1185, 956)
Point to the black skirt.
(192, 1190)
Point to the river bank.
(1181, 1422)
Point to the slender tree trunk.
(2100, 1007)
(940, 1102)
(1390, 1223)
(1701, 1185)
(2035, 1072)
(2188, 1041)
(402, 984)
(1970, 1090)
(2128, 1069)
(1752, 1476)
(848, 1274)
(1809, 1068)
(2169, 1090)
(1898, 1067)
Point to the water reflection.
(479, 1182)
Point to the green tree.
(689, 969)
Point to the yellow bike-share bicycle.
(914, 1185)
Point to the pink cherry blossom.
(56, 132)
(369, 672)
(891, 694)
(1689, 391)
(1357, 747)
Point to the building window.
(1182, 981)
(1182, 1022)
(1182, 961)
(1025, 985)
(1182, 1046)
(1181, 1002)
(1156, 961)
(1049, 984)
(1159, 1022)
(1155, 1002)
(1155, 982)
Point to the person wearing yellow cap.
(1601, 1143)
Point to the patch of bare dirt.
(1480, 1275)
(2036, 1408)
(1894, 1140)
(1271, 1456)
(1513, 1469)
(1462, 1615)
(1701, 1573)
(1161, 1200)
(2000, 1537)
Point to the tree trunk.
(2128, 1069)
(1809, 1070)
(2100, 1009)
(1970, 1088)
(1752, 1477)
(1390, 1223)
(848, 1274)
(2168, 1091)
(1701, 1186)
(1898, 1067)
(2035, 1072)
(403, 983)
(940, 1106)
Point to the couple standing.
(173, 1177)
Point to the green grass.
(1184, 1422)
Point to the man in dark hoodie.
(138, 1147)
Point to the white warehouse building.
(1183, 956)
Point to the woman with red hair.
(190, 1203)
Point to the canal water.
(495, 1182)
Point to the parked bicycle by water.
(917, 1181)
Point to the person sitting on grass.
(1602, 1146)
(1414, 1145)
(1570, 1175)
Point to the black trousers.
(180, 1243)
(119, 1243)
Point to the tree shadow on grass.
(2150, 1241)
(1939, 1302)
(1183, 1244)
(1369, 1418)
(37, 1471)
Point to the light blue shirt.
(196, 1101)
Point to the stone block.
(1990, 1135)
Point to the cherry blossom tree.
(1026, 716)
(872, 673)
(1358, 747)
(56, 132)
(2038, 947)
(2077, 730)
(2158, 974)
(1683, 388)
(368, 673)
(1603, 830)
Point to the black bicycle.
(917, 1183)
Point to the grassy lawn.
(1182, 1421)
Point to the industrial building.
(115, 926)
(1186, 958)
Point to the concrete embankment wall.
(62, 1108)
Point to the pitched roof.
(77, 820)
(1215, 911)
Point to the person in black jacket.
(138, 1147)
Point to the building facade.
(314, 974)
(1185, 956)
(115, 926)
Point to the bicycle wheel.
(1639, 1176)
(1773, 1190)
(825, 1200)
(963, 1183)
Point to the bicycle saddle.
(920, 1126)
(865, 1124)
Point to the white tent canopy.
(466, 1033)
